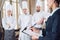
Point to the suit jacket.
(0, 27)
(53, 27)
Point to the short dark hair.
(57, 1)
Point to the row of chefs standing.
(31, 26)
(24, 20)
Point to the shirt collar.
(54, 10)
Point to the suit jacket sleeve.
(54, 28)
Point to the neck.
(54, 7)
(25, 13)
(37, 12)
(9, 16)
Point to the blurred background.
(17, 11)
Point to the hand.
(31, 28)
(40, 21)
(34, 37)
(8, 24)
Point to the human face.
(9, 12)
(50, 3)
(24, 11)
(38, 8)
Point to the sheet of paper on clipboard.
(30, 33)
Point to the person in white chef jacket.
(38, 19)
(24, 20)
(9, 23)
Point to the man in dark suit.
(53, 22)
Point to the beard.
(38, 10)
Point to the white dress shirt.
(54, 10)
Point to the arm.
(30, 22)
(13, 24)
(33, 20)
(5, 26)
(54, 28)
(19, 22)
